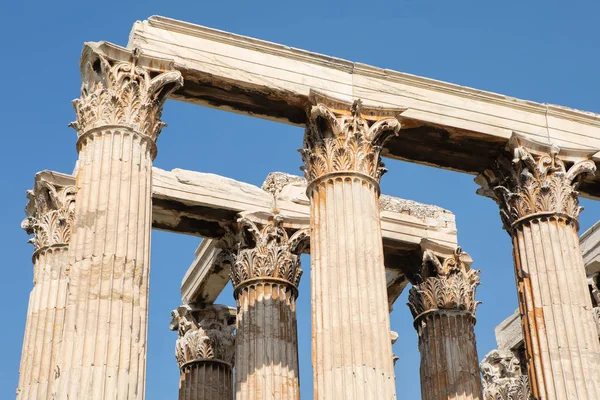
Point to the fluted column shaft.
(562, 350)
(205, 351)
(266, 344)
(50, 212)
(352, 353)
(449, 362)
(105, 339)
(103, 354)
(206, 380)
(44, 326)
(535, 186)
(265, 274)
(443, 304)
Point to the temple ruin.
(86, 329)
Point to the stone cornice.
(503, 378)
(117, 92)
(205, 333)
(263, 253)
(263, 46)
(340, 138)
(50, 211)
(444, 283)
(532, 178)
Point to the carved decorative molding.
(266, 252)
(530, 179)
(503, 378)
(444, 284)
(50, 213)
(344, 138)
(276, 181)
(204, 334)
(122, 93)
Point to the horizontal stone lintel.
(445, 125)
(206, 205)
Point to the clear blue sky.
(544, 51)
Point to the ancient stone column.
(442, 301)
(265, 273)
(103, 354)
(205, 351)
(535, 187)
(595, 291)
(504, 377)
(49, 218)
(352, 354)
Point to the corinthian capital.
(340, 137)
(265, 251)
(503, 378)
(530, 178)
(444, 284)
(121, 92)
(204, 334)
(50, 210)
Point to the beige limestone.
(50, 212)
(535, 186)
(442, 302)
(205, 351)
(265, 272)
(103, 353)
(352, 352)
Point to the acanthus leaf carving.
(444, 284)
(527, 182)
(343, 138)
(503, 378)
(50, 214)
(205, 333)
(122, 93)
(265, 251)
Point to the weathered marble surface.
(405, 224)
(445, 125)
(535, 186)
(442, 302)
(205, 351)
(50, 211)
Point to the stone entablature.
(445, 125)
